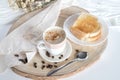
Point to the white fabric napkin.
(24, 38)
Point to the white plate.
(70, 21)
(67, 52)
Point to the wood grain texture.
(38, 74)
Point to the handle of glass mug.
(41, 45)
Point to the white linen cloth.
(97, 7)
(97, 70)
(16, 41)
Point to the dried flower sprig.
(29, 5)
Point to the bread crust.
(86, 28)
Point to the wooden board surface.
(39, 74)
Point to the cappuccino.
(54, 36)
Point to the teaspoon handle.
(59, 68)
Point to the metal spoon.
(80, 57)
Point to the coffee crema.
(55, 36)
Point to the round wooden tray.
(39, 74)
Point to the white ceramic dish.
(66, 54)
(69, 22)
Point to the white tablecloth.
(107, 68)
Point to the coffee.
(54, 41)
(55, 36)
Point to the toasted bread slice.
(84, 36)
(94, 38)
(79, 34)
(86, 26)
